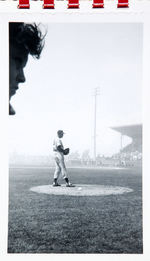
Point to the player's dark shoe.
(70, 185)
(56, 184)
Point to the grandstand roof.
(133, 131)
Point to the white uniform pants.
(60, 168)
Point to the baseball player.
(59, 153)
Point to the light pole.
(121, 140)
(96, 93)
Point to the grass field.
(41, 223)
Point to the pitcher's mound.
(81, 190)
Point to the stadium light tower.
(121, 141)
(96, 93)
(121, 146)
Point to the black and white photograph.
(75, 138)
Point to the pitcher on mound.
(60, 166)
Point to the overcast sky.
(59, 88)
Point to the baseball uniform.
(59, 159)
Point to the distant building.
(133, 151)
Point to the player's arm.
(60, 149)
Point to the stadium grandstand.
(132, 153)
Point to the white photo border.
(138, 16)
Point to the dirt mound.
(81, 190)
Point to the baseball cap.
(60, 131)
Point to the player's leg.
(57, 172)
(65, 174)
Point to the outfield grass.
(40, 223)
